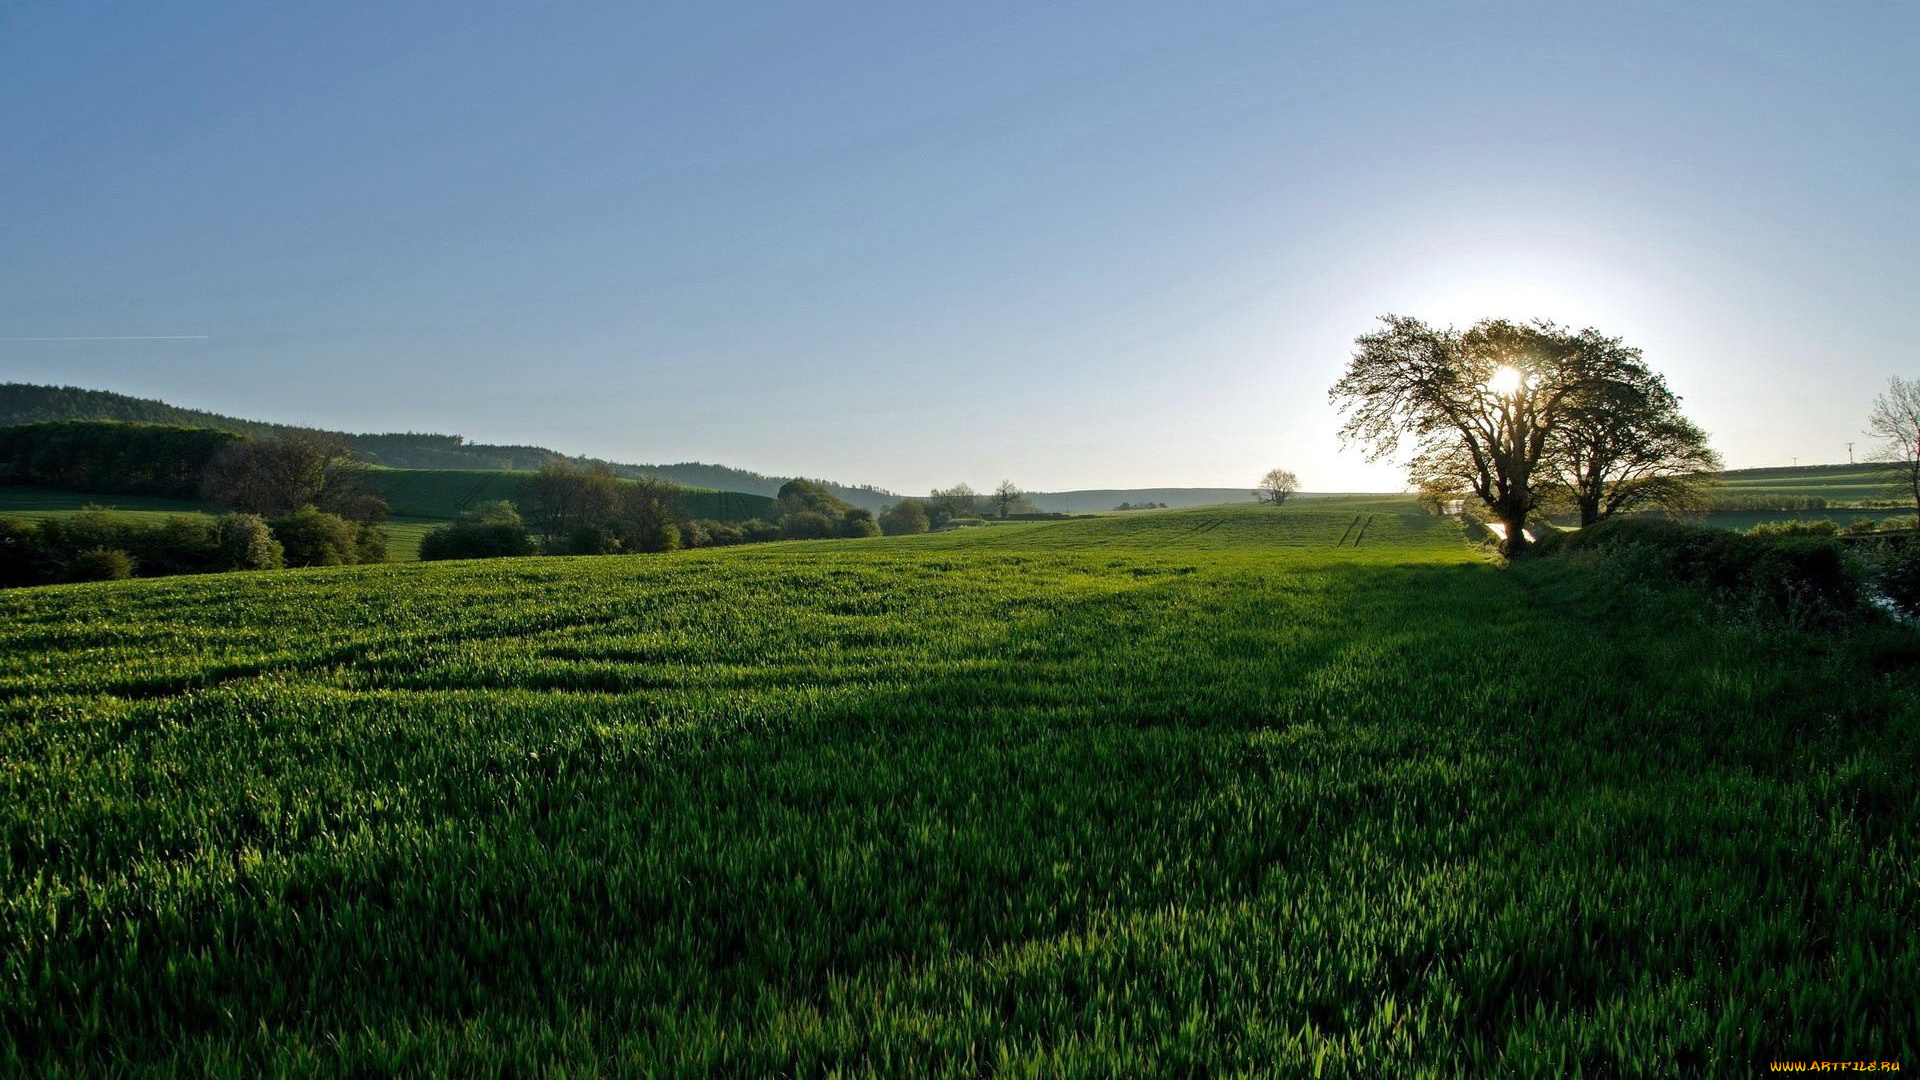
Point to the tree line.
(572, 509)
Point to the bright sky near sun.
(1072, 244)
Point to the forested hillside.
(25, 403)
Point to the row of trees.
(960, 503)
(123, 459)
(572, 509)
(97, 544)
(1515, 416)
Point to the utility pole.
(1796, 463)
(1849, 453)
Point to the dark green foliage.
(1171, 794)
(1818, 527)
(905, 518)
(489, 531)
(246, 542)
(806, 525)
(758, 531)
(858, 523)
(1803, 578)
(588, 540)
(23, 555)
(38, 553)
(313, 537)
(716, 533)
(108, 457)
(99, 564)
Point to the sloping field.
(1837, 483)
(1205, 792)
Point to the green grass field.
(1835, 483)
(1189, 793)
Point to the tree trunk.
(1516, 541)
(1589, 512)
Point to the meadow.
(1206, 792)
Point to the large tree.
(1622, 443)
(1895, 421)
(1477, 406)
(275, 477)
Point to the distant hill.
(23, 403)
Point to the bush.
(592, 540)
(720, 533)
(100, 564)
(858, 523)
(1798, 577)
(1796, 527)
(488, 531)
(23, 557)
(806, 525)
(905, 518)
(244, 542)
(311, 537)
(1861, 526)
(758, 531)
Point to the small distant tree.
(312, 537)
(1006, 496)
(1895, 422)
(1276, 487)
(905, 517)
(958, 501)
(564, 496)
(646, 516)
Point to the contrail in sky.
(122, 337)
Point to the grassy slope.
(1848, 483)
(1154, 793)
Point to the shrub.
(1798, 577)
(694, 535)
(23, 557)
(311, 537)
(100, 564)
(904, 518)
(488, 531)
(720, 533)
(244, 542)
(758, 531)
(592, 540)
(1796, 527)
(858, 523)
(806, 525)
(1861, 526)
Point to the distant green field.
(1186, 793)
(1840, 483)
(34, 502)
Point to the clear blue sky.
(1074, 244)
